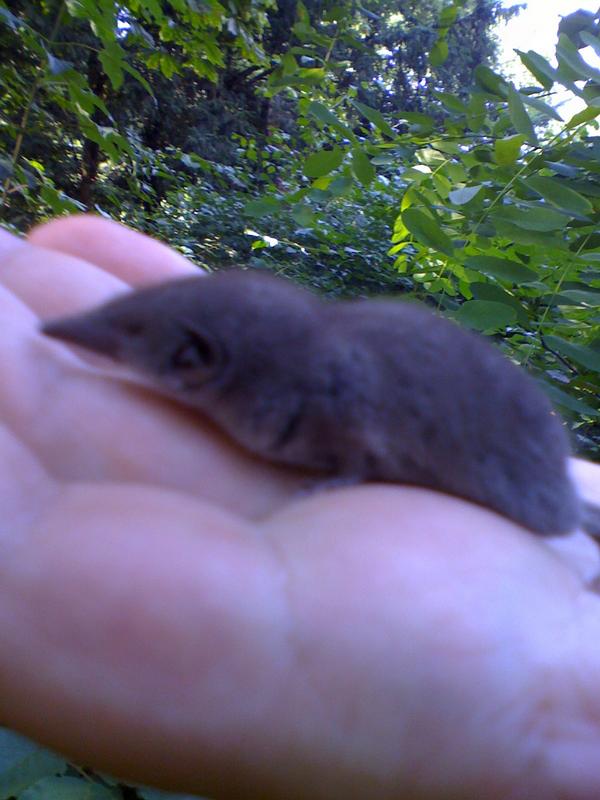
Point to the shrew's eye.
(196, 353)
(132, 328)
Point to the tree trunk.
(90, 158)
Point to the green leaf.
(579, 353)
(341, 185)
(376, 118)
(111, 142)
(539, 67)
(439, 53)
(69, 788)
(591, 41)
(262, 206)
(168, 65)
(397, 248)
(542, 108)
(384, 160)
(426, 230)
(59, 202)
(113, 67)
(302, 13)
(515, 234)
(289, 64)
(491, 291)
(485, 315)
(303, 215)
(138, 76)
(476, 111)
(322, 183)
(311, 76)
(448, 15)
(555, 192)
(442, 184)
(451, 101)
(491, 81)
(323, 162)
(587, 114)
(306, 33)
(504, 269)
(586, 298)
(567, 52)
(464, 195)
(508, 150)
(23, 763)
(518, 115)
(422, 122)
(88, 101)
(564, 400)
(531, 218)
(324, 115)
(362, 167)
(569, 171)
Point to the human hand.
(171, 611)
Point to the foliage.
(495, 210)
(67, 59)
(95, 96)
(29, 772)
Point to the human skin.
(176, 612)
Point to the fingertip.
(132, 256)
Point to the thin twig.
(558, 356)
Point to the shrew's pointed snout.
(86, 331)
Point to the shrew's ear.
(197, 351)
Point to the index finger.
(133, 257)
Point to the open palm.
(174, 611)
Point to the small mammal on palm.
(363, 390)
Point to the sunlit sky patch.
(535, 28)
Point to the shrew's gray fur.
(367, 390)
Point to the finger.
(131, 256)
(52, 283)
(33, 369)
(12, 310)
